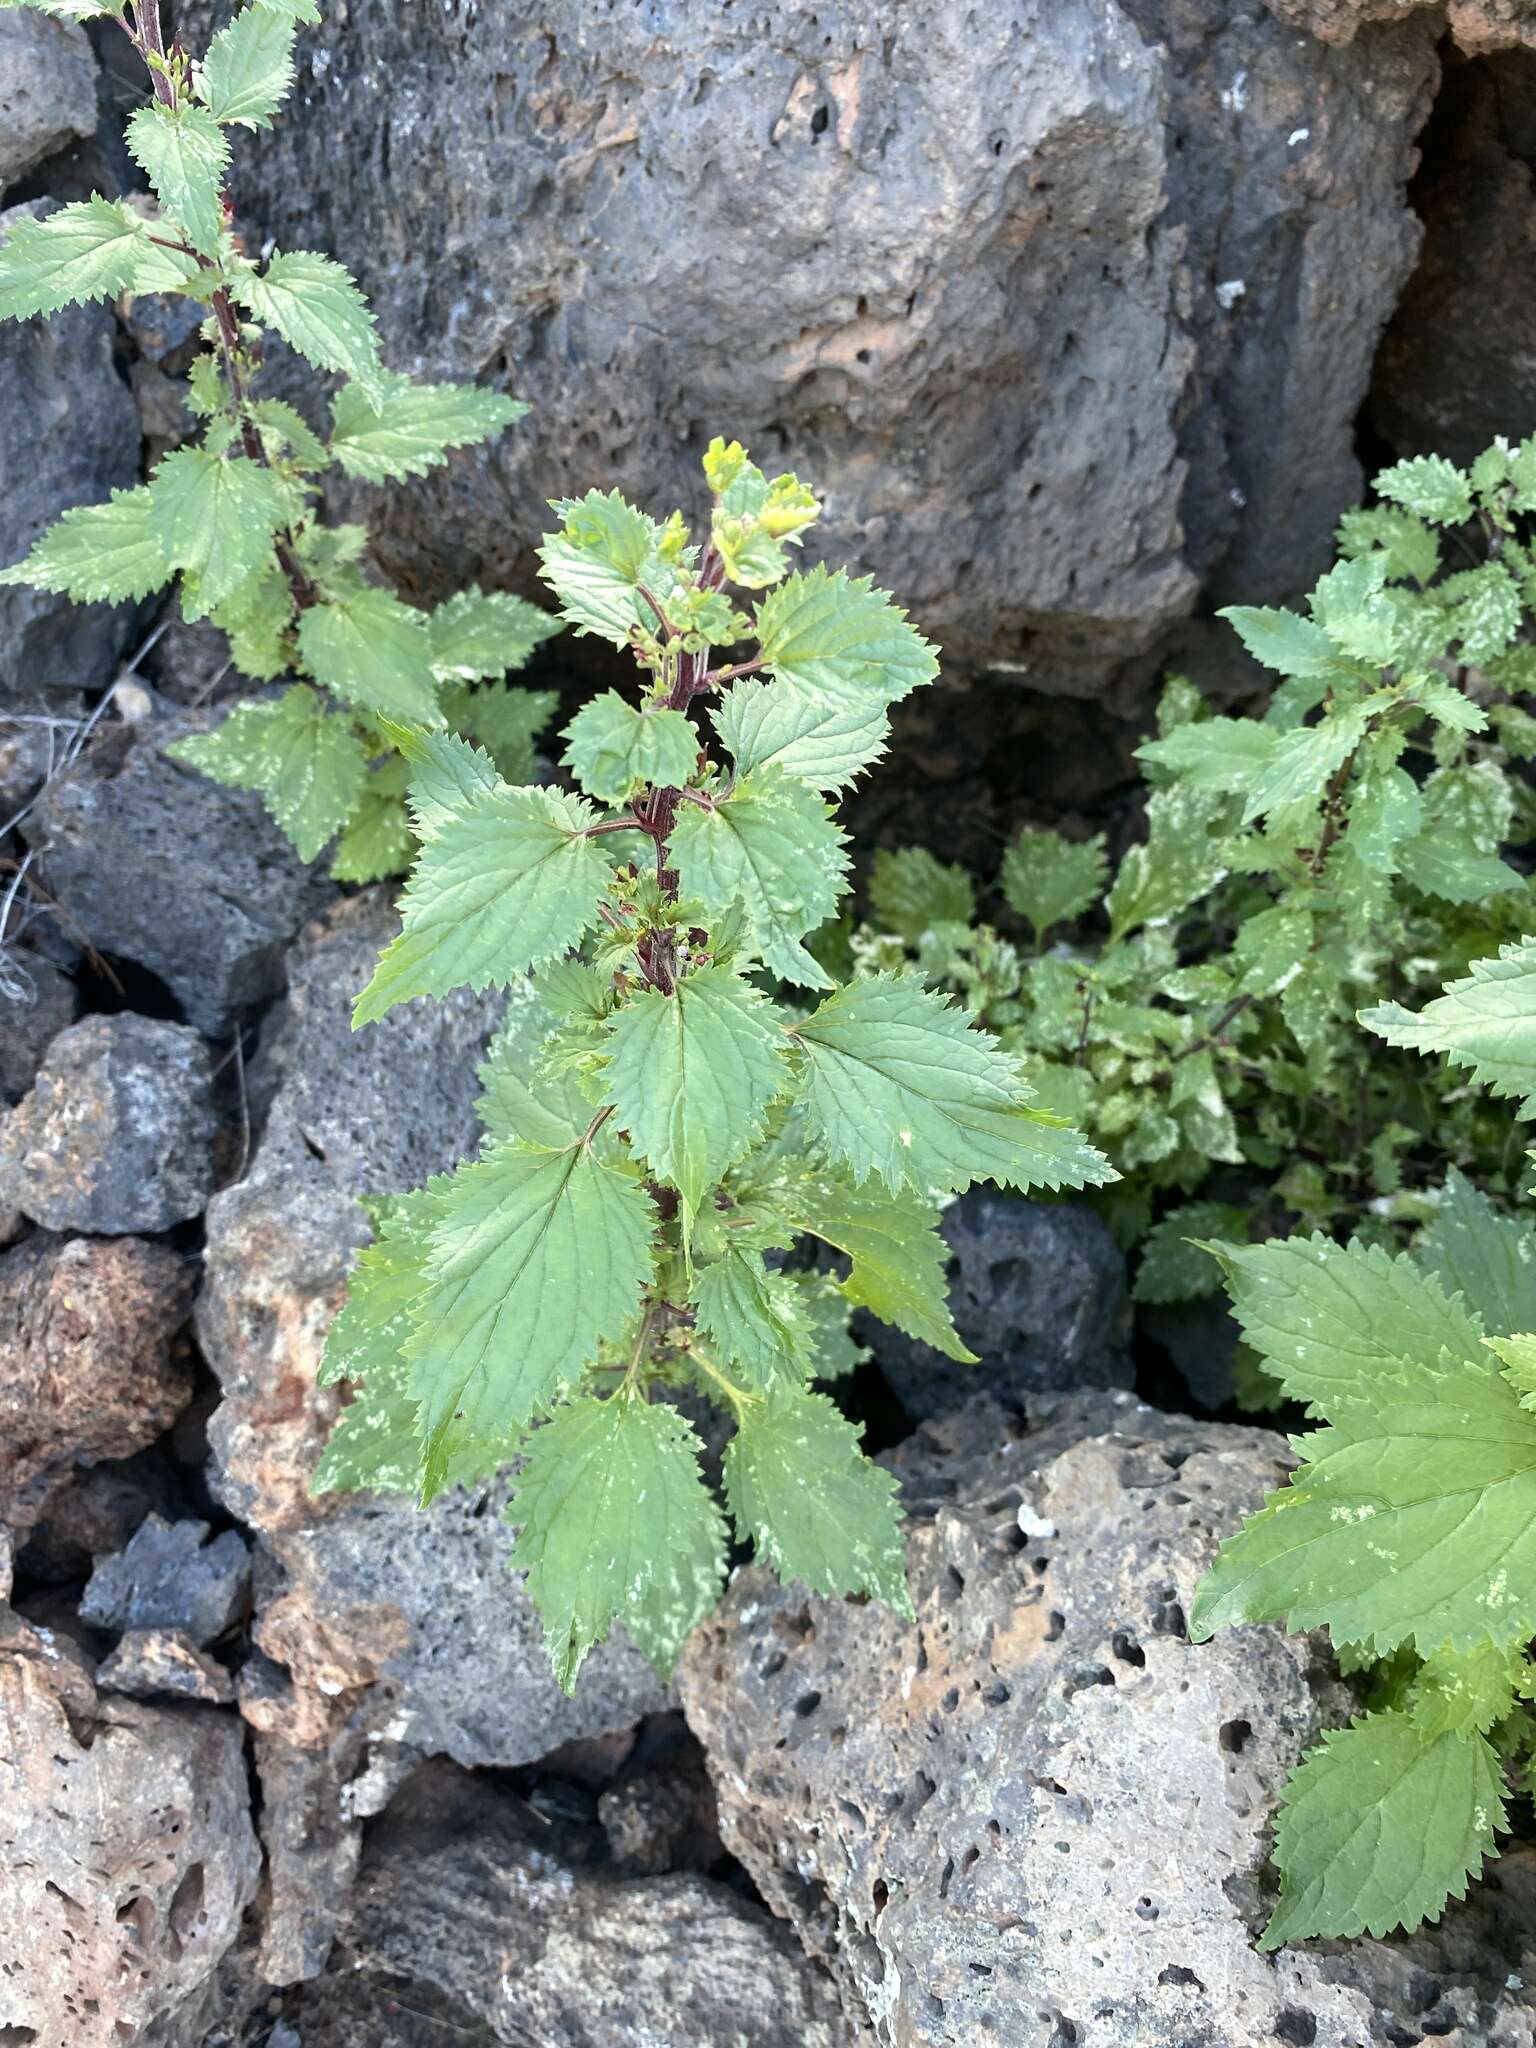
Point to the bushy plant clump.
(231, 516)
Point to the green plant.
(1409, 1529)
(662, 1124)
(232, 515)
(1195, 1014)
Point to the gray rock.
(1449, 375)
(586, 1959)
(1069, 302)
(663, 1817)
(43, 1003)
(96, 1513)
(69, 434)
(391, 1633)
(89, 1369)
(127, 1855)
(171, 1577)
(152, 861)
(1038, 1293)
(118, 1131)
(47, 91)
(163, 1663)
(1037, 1813)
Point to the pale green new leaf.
(98, 553)
(1486, 1021)
(1050, 880)
(771, 847)
(538, 1257)
(446, 773)
(691, 1076)
(597, 563)
(478, 635)
(507, 722)
(814, 1506)
(819, 740)
(1379, 1828)
(414, 426)
(316, 307)
(910, 891)
(752, 1322)
(510, 882)
(1487, 1257)
(88, 250)
(616, 1524)
(373, 651)
(184, 153)
(899, 1084)
(248, 71)
(612, 747)
(1333, 1321)
(838, 636)
(1465, 1694)
(307, 763)
(213, 517)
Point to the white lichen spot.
(1228, 294)
(1031, 1524)
(905, 1137)
(1235, 96)
(1297, 135)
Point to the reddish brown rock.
(88, 1365)
(1477, 25)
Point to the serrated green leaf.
(373, 1324)
(1379, 1828)
(519, 1098)
(909, 891)
(1428, 486)
(537, 1258)
(1282, 641)
(88, 250)
(752, 1321)
(772, 848)
(820, 741)
(508, 883)
(616, 1524)
(98, 553)
(213, 517)
(691, 1076)
(1216, 754)
(824, 1311)
(1050, 880)
(478, 635)
(814, 1506)
(1487, 1257)
(1466, 1694)
(898, 1258)
(184, 153)
(285, 429)
(1485, 1021)
(612, 747)
(316, 307)
(1177, 1263)
(446, 774)
(837, 636)
(506, 722)
(1333, 1321)
(1181, 860)
(378, 841)
(414, 426)
(1413, 1520)
(373, 651)
(899, 1084)
(1517, 1357)
(596, 564)
(248, 71)
(1456, 874)
(1302, 762)
(308, 765)
(1410, 548)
